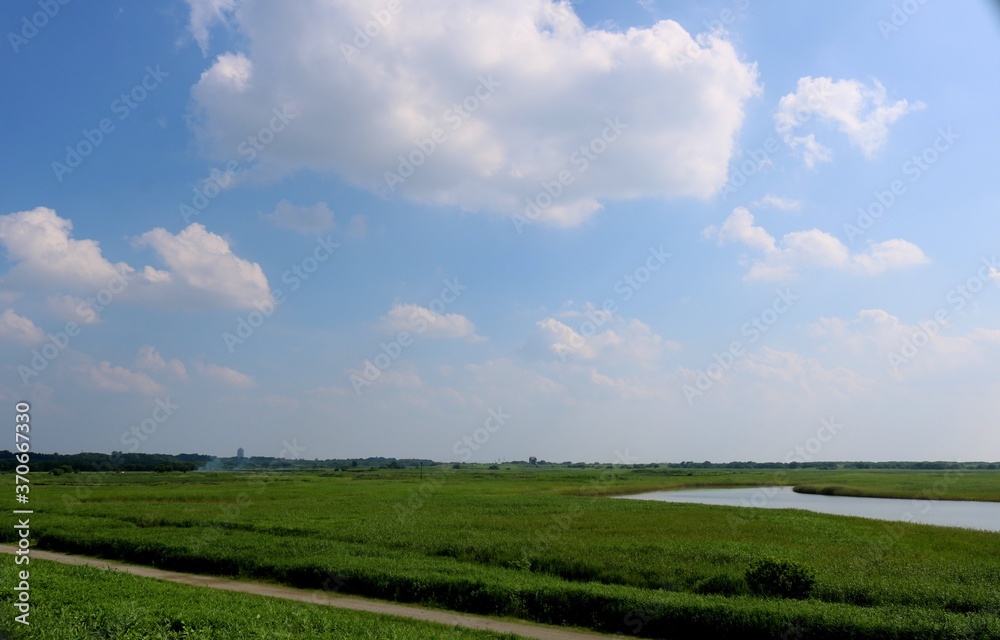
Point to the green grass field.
(84, 603)
(548, 545)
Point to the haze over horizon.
(480, 231)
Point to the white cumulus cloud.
(518, 93)
(19, 329)
(597, 337)
(40, 242)
(225, 375)
(860, 111)
(149, 359)
(928, 346)
(203, 269)
(777, 202)
(426, 322)
(107, 377)
(812, 248)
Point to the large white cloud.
(546, 84)
(800, 250)
(861, 112)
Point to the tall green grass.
(544, 545)
(84, 603)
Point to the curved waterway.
(945, 513)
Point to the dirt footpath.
(528, 630)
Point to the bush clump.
(780, 579)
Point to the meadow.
(548, 544)
(85, 603)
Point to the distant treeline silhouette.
(119, 461)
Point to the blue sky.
(696, 281)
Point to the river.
(946, 513)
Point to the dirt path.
(528, 630)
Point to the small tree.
(780, 579)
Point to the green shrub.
(721, 584)
(780, 579)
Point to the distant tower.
(239, 453)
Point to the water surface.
(947, 513)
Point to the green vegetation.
(547, 544)
(950, 485)
(83, 603)
(780, 579)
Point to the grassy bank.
(909, 485)
(547, 545)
